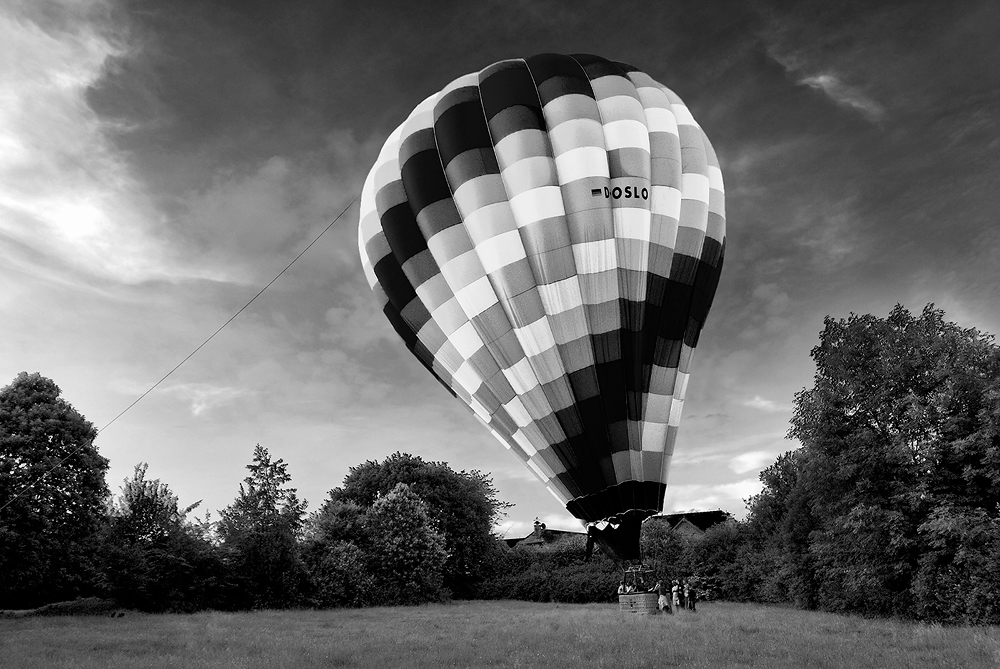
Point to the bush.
(406, 555)
(556, 572)
(958, 579)
(340, 576)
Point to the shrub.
(556, 572)
(340, 576)
(406, 556)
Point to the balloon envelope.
(546, 236)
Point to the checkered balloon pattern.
(546, 236)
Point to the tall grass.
(492, 634)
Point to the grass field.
(491, 634)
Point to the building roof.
(702, 520)
(696, 522)
(540, 535)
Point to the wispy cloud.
(761, 404)
(705, 497)
(800, 46)
(846, 95)
(751, 461)
(203, 397)
(66, 196)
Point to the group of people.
(680, 595)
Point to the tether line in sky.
(186, 358)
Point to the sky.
(161, 162)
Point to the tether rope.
(179, 364)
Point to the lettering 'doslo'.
(616, 193)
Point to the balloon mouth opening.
(618, 503)
(618, 535)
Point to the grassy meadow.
(491, 634)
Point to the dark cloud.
(210, 84)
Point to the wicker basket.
(641, 602)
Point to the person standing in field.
(662, 601)
(675, 593)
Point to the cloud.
(246, 215)
(563, 521)
(68, 204)
(275, 210)
(751, 461)
(253, 219)
(770, 310)
(706, 497)
(357, 322)
(832, 231)
(845, 95)
(807, 42)
(204, 397)
(766, 405)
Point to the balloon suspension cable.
(637, 577)
(48, 471)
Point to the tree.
(463, 505)
(770, 506)
(152, 557)
(340, 575)
(260, 532)
(958, 580)
(337, 521)
(407, 555)
(776, 560)
(901, 408)
(335, 554)
(664, 549)
(716, 560)
(147, 510)
(902, 420)
(52, 493)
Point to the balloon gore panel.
(546, 237)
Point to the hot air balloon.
(546, 236)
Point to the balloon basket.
(642, 603)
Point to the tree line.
(889, 507)
(400, 531)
